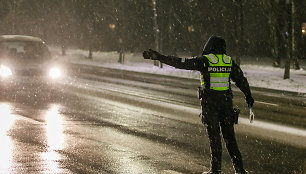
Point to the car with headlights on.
(26, 59)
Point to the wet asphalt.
(110, 121)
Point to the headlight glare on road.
(55, 73)
(5, 71)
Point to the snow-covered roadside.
(260, 74)
(269, 77)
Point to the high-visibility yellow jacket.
(219, 69)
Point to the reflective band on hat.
(218, 79)
(213, 58)
(213, 85)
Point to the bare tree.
(287, 45)
(170, 28)
(156, 31)
(63, 23)
(4, 12)
(293, 36)
(239, 29)
(291, 39)
(272, 7)
(121, 23)
(14, 11)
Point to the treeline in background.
(267, 28)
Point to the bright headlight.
(55, 73)
(5, 71)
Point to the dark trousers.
(217, 114)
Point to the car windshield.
(24, 50)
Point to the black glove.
(151, 54)
(146, 55)
(250, 101)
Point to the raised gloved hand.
(151, 54)
(249, 101)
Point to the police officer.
(217, 69)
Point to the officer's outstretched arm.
(177, 62)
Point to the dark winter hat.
(215, 45)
